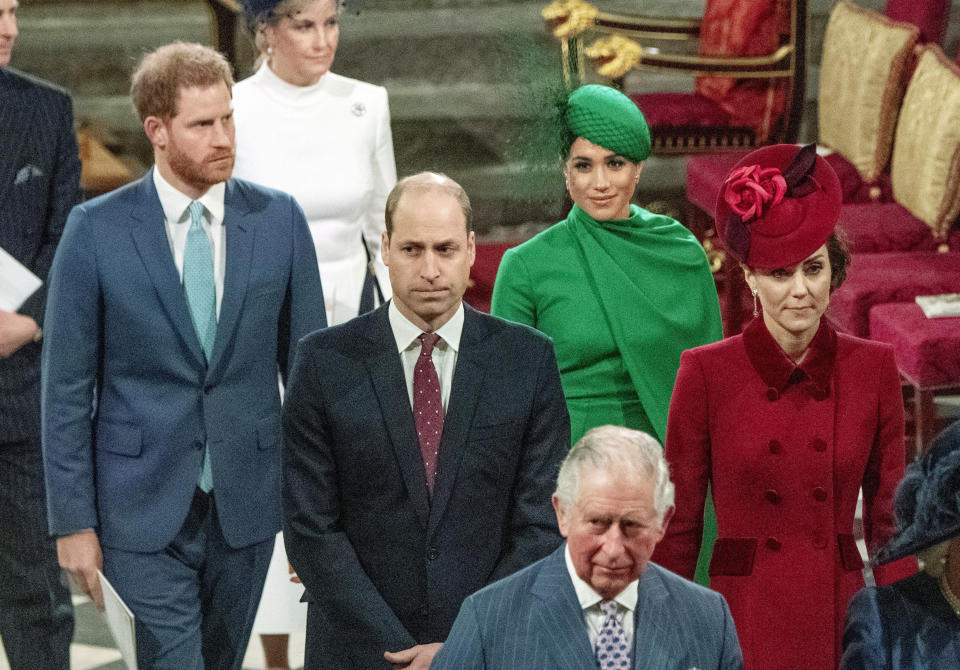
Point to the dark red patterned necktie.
(428, 406)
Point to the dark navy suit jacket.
(128, 398)
(533, 621)
(385, 566)
(39, 183)
(907, 625)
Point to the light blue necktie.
(198, 283)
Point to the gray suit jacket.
(39, 183)
(532, 620)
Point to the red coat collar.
(778, 371)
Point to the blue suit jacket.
(386, 567)
(39, 183)
(128, 398)
(533, 620)
(907, 625)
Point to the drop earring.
(756, 312)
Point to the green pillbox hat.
(606, 117)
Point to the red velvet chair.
(931, 16)
(748, 65)
(861, 90)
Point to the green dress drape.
(621, 299)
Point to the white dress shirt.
(590, 603)
(175, 210)
(444, 354)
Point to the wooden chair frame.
(788, 61)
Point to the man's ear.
(156, 131)
(385, 248)
(561, 514)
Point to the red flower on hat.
(749, 190)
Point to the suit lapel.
(655, 645)
(15, 113)
(464, 395)
(238, 228)
(389, 383)
(150, 238)
(560, 616)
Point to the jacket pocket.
(733, 557)
(120, 438)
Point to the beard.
(204, 173)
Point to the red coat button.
(819, 494)
(772, 394)
(773, 544)
(818, 445)
(775, 447)
(772, 496)
(819, 541)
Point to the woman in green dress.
(622, 291)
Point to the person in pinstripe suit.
(39, 183)
(599, 591)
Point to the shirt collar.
(589, 598)
(175, 203)
(778, 371)
(405, 333)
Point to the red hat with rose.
(777, 206)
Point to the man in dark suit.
(597, 601)
(172, 302)
(39, 183)
(420, 445)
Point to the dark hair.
(427, 181)
(156, 83)
(839, 254)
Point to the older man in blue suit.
(597, 602)
(172, 303)
(39, 183)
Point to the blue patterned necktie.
(198, 283)
(612, 650)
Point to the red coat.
(785, 450)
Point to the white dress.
(329, 145)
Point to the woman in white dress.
(326, 140)
(323, 138)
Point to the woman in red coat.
(785, 423)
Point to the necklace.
(949, 595)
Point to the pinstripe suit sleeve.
(731, 657)
(463, 649)
(65, 193)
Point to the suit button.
(818, 445)
(819, 541)
(433, 554)
(198, 445)
(772, 496)
(775, 447)
(772, 394)
(819, 494)
(773, 544)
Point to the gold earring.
(756, 312)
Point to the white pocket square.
(26, 172)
